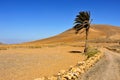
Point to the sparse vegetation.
(34, 47)
(104, 41)
(91, 52)
(2, 48)
(115, 48)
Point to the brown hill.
(97, 32)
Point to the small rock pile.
(74, 72)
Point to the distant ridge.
(1, 43)
(96, 32)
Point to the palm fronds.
(82, 20)
(78, 27)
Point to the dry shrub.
(91, 52)
(2, 48)
(34, 47)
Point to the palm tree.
(83, 21)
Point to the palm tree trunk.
(86, 40)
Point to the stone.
(68, 76)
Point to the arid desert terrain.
(46, 57)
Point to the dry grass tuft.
(91, 52)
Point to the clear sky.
(27, 20)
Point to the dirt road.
(108, 68)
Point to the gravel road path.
(108, 68)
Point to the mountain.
(1, 43)
(97, 32)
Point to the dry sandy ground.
(108, 68)
(28, 64)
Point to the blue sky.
(28, 20)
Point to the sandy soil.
(28, 64)
(20, 62)
(108, 68)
